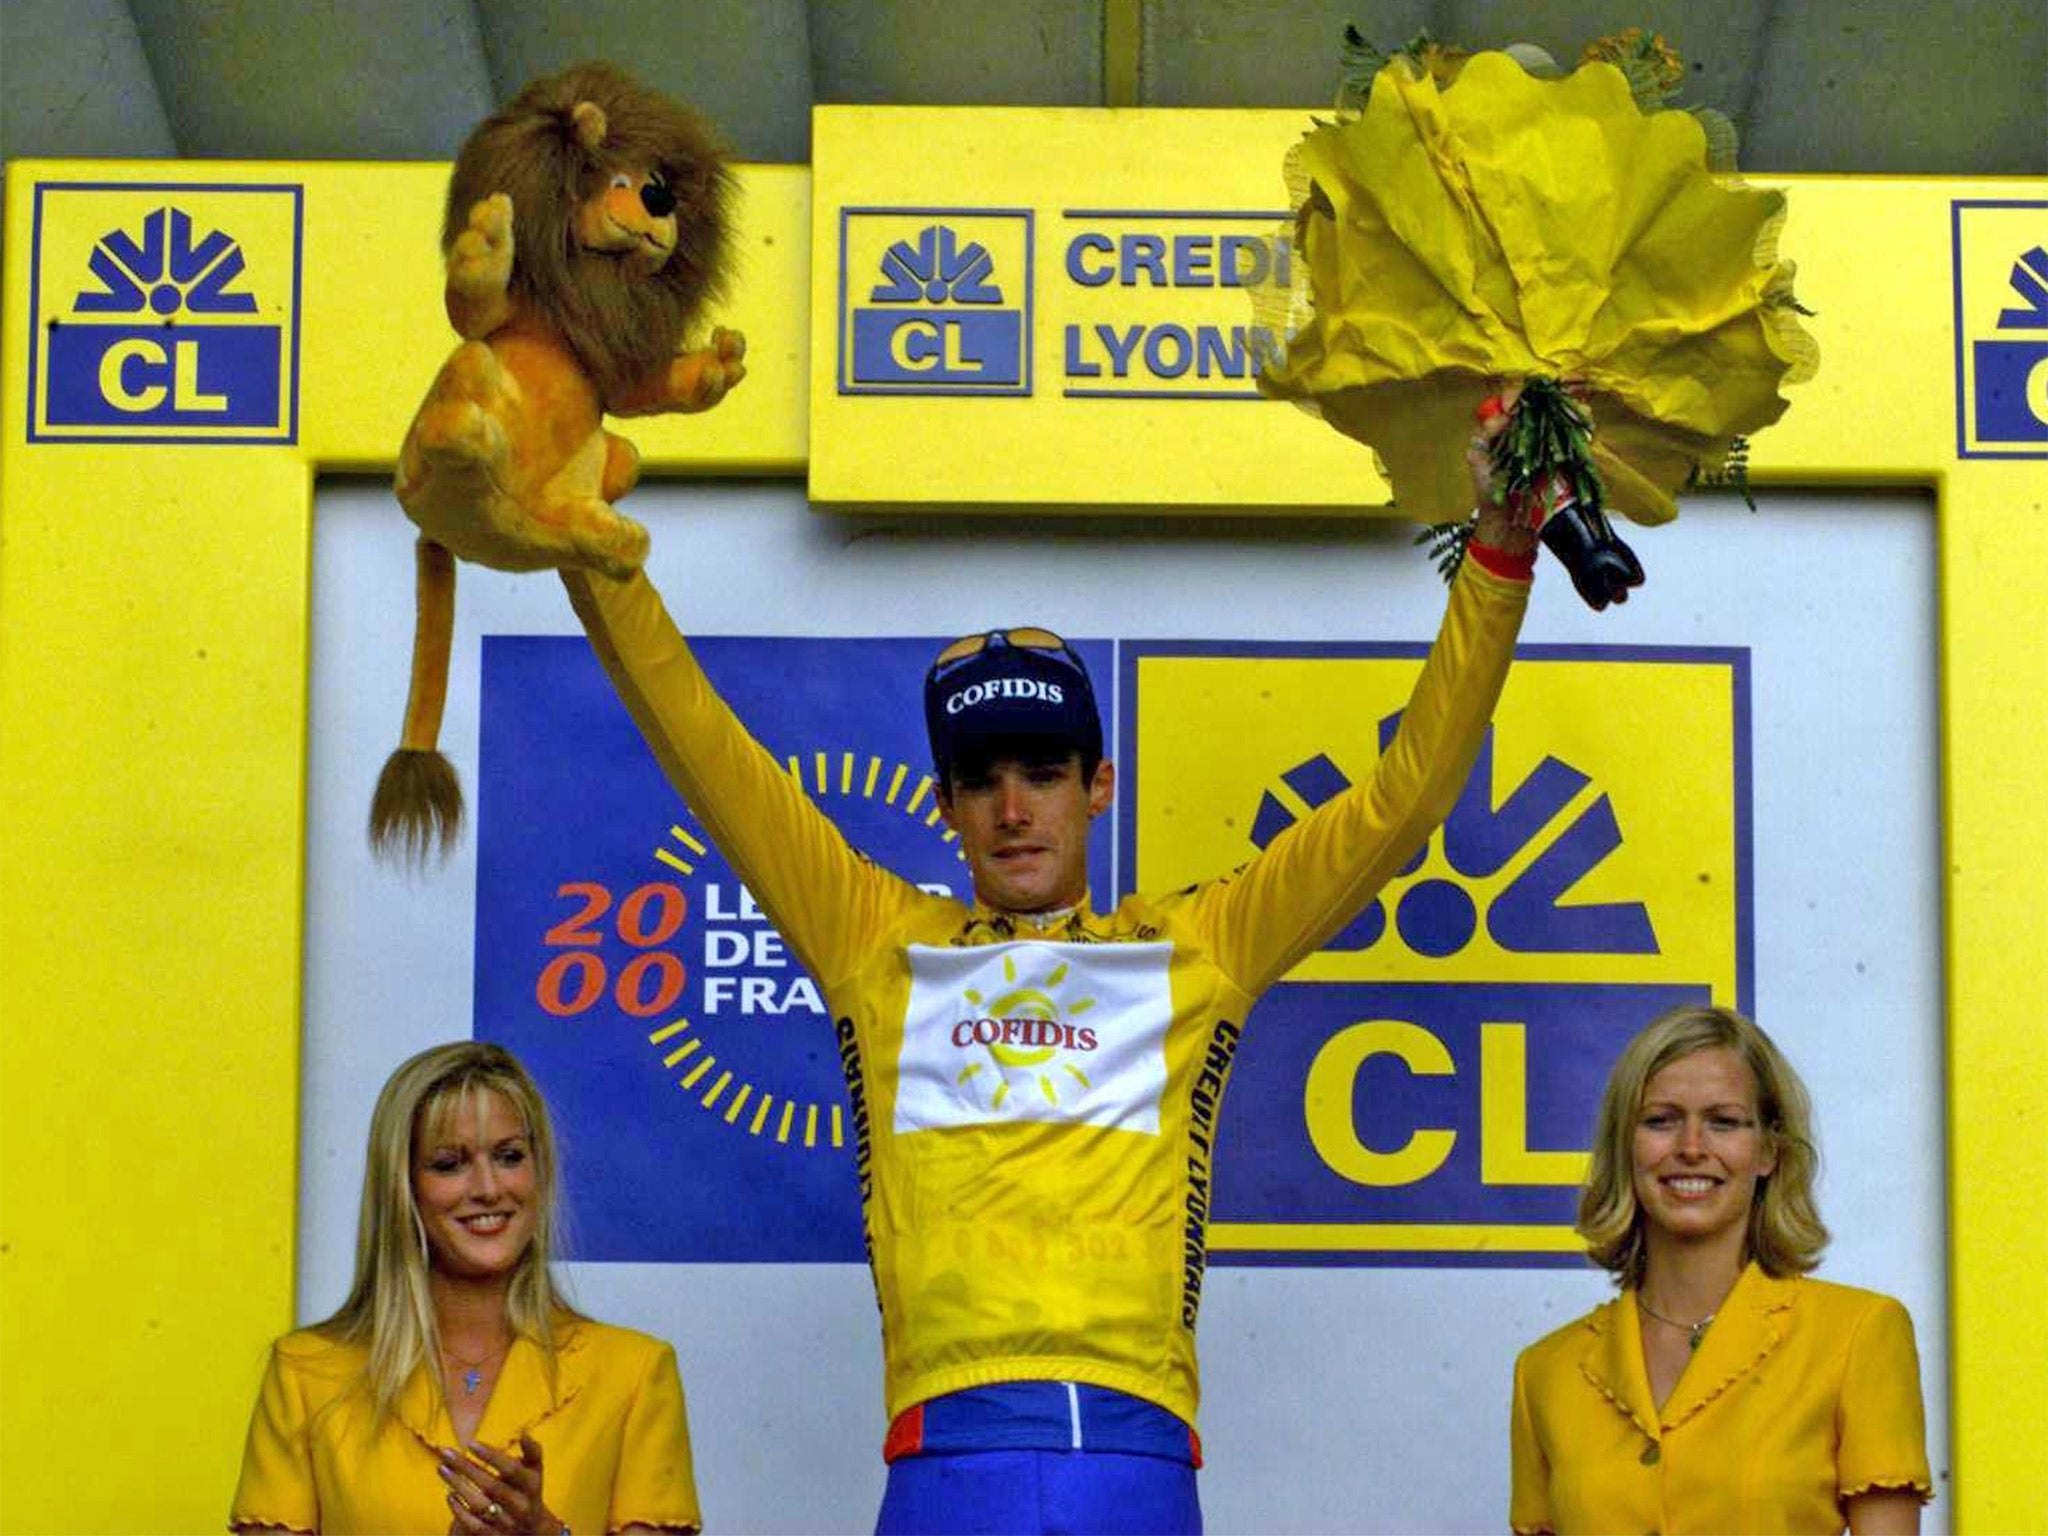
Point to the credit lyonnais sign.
(1051, 307)
(1423, 1088)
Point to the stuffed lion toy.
(586, 228)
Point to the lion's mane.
(621, 326)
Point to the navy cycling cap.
(1009, 691)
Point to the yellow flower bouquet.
(1473, 224)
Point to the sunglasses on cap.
(1025, 638)
(992, 691)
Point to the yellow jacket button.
(1652, 1456)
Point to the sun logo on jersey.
(1024, 1039)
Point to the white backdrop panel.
(1335, 1399)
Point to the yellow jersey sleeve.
(1319, 873)
(825, 899)
(276, 1485)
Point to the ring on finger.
(496, 1509)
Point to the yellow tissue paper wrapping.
(1447, 238)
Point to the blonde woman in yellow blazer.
(1722, 1390)
(454, 1391)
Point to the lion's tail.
(417, 810)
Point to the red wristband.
(1500, 563)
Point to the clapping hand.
(494, 1493)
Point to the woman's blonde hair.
(390, 1307)
(1785, 1230)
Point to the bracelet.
(1500, 562)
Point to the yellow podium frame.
(153, 708)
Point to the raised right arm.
(825, 899)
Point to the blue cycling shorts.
(1039, 1493)
(1040, 1456)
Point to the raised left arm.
(1321, 872)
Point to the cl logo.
(1505, 1157)
(918, 346)
(133, 370)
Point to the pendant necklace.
(1694, 1332)
(473, 1372)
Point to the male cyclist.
(1038, 1256)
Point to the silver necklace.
(1694, 1332)
(473, 1372)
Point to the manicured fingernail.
(446, 1475)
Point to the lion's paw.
(460, 431)
(699, 380)
(719, 380)
(480, 259)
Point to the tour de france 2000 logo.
(747, 974)
(2001, 327)
(935, 301)
(1422, 1088)
(164, 313)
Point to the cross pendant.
(471, 1380)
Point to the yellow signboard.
(1038, 307)
(1594, 871)
(165, 313)
(154, 625)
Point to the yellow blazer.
(1802, 1393)
(615, 1444)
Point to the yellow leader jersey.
(1035, 1105)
